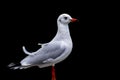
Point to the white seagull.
(53, 52)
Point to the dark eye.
(65, 18)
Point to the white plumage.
(53, 52)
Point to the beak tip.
(73, 20)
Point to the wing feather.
(50, 51)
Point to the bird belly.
(63, 55)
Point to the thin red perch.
(53, 73)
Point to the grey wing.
(45, 54)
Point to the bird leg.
(53, 73)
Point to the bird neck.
(62, 32)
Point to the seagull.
(53, 52)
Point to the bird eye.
(65, 18)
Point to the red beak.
(73, 20)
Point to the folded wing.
(46, 54)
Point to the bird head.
(66, 19)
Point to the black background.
(30, 24)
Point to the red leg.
(53, 73)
